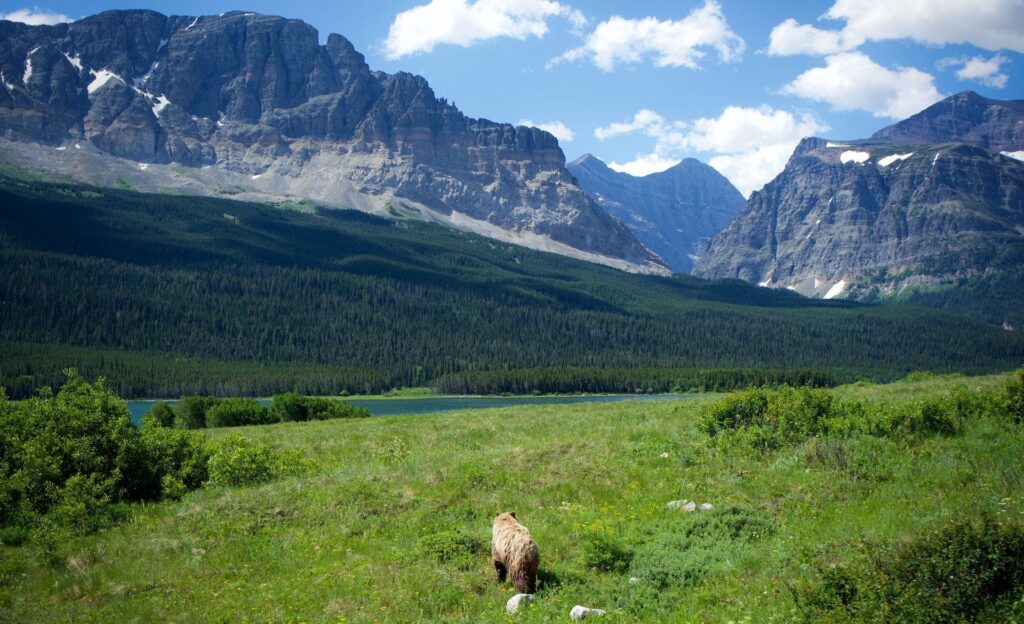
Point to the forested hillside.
(169, 294)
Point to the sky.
(645, 83)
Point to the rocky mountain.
(966, 117)
(671, 212)
(253, 107)
(868, 219)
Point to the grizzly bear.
(514, 552)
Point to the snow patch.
(257, 176)
(3, 79)
(161, 104)
(194, 22)
(818, 222)
(28, 65)
(76, 60)
(854, 156)
(146, 76)
(817, 283)
(61, 148)
(766, 283)
(78, 146)
(836, 290)
(163, 44)
(831, 144)
(101, 78)
(936, 159)
(220, 119)
(888, 160)
(143, 166)
(1014, 155)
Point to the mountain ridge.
(254, 107)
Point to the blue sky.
(642, 84)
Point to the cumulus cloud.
(992, 25)
(790, 37)
(987, 71)
(852, 81)
(668, 43)
(749, 145)
(35, 17)
(562, 132)
(465, 23)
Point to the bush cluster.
(198, 412)
(962, 572)
(700, 545)
(768, 419)
(70, 462)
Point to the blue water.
(426, 405)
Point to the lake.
(426, 405)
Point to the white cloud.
(35, 17)
(669, 43)
(791, 37)
(645, 165)
(986, 71)
(852, 81)
(562, 132)
(992, 25)
(465, 22)
(750, 146)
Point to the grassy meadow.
(390, 521)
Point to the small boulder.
(579, 612)
(664, 455)
(517, 601)
(706, 506)
(634, 579)
(676, 504)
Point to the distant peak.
(590, 161)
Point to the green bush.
(700, 545)
(292, 407)
(160, 414)
(962, 572)
(70, 461)
(605, 553)
(53, 448)
(771, 419)
(452, 546)
(237, 413)
(191, 411)
(235, 461)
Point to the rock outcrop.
(869, 218)
(258, 109)
(673, 212)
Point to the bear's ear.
(497, 513)
(513, 514)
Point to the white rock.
(579, 612)
(676, 504)
(519, 600)
(664, 455)
(706, 506)
(634, 579)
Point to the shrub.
(451, 545)
(160, 414)
(176, 458)
(79, 442)
(701, 545)
(237, 413)
(235, 461)
(191, 411)
(605, 553)
(292, 407)
(964, 571)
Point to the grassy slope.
(344, 544)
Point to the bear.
(514, 552)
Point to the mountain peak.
(964, 117)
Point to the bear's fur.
(514, 553)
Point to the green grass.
(393, 525)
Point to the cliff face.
(871, 217)
(253, 106)
(672, 212)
